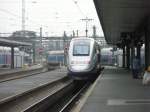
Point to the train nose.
(86, 62)
(80, 64)
(79, 68)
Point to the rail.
(68, 106)
(38, 98)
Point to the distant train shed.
(12, 44)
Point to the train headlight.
(86, 62)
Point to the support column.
(12, 57)
(123, 58)
(139, 53)
(147, 44)
(34, 53)
(128, 57)
(147, 49)
(132, 56)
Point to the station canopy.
(121, 16)
(12, 43)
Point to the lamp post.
(23, 17)
(64, 46)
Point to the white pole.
(23, 15)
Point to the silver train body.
(83, 58)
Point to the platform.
(4, 71)
(117, 91)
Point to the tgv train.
(83, 58)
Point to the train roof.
(83, 38)
(86, 38)
(56, 52)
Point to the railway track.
(69, 100)
(58, 96)
(37, 99)
(55, 96)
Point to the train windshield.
(81, 48)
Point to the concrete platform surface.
(18, 86)
(15, 70)
(117, 91)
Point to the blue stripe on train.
(55, 58)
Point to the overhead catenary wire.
(8, 12)
(85, 17)
(17, 16)
(78, 7)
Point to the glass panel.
(81, 49)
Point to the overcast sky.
(54, 16)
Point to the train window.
(81, 49)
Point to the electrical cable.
(76, 3)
